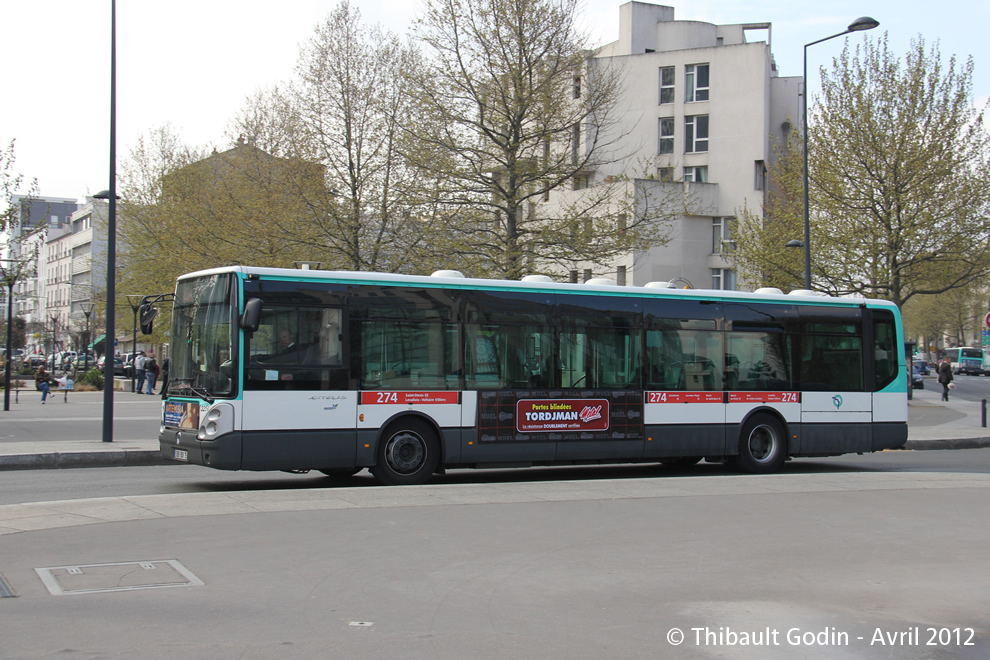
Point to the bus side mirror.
(147, 314)
(251, 318)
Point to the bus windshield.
(202, 348)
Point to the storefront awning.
(98, 340)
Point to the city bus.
(408, 376)
(966, 360)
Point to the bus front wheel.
(762, 445)
(407, 454)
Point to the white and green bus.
(967, 360)
(297, 370)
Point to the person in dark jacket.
(164, 368)
(945, 377)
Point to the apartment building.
(72, 249)
(26, 238)
(702, 104)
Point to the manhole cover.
(123, 576)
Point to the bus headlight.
(218, 421)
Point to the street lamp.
(54, 320)
(860, 24)
(10, 277)
(111, 196)
(134, 307)
(87, 309)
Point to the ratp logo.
(837, 401)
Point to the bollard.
(984, 405)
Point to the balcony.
(82, 238)
(82, 265)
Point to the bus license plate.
(180, 454)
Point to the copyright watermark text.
(828, 636)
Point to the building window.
(696, 174)
(621, 222)
(696, 82)
(577, 87)
(696, 134)
(722, 240)
(724, 278)
(620, 276)
(666, 135)
(759, 175)
(665, 173)
(666, 84)
(575, 142)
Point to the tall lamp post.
(54, 319)
(111, 196)
(10, 275)
(860, 24)
(87, 309)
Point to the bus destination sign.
(408, 398)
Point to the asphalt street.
(811, 564)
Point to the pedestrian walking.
(42, 382)
(139, 371)
(150, 372)
(165, 365)
(945, 377)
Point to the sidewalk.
(64, 434)
(932, 424)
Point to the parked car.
(917, 382)
(118, 365)
(34, 361)
(923, 367)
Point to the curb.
(960, 443)
(83, 459)
(147, 457)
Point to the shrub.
(93, 377)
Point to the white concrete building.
(88, 276)
(702, 104)
(73, 249)
(26, 239)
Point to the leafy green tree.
(183, 210)
(899, 164)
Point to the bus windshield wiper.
(201, 393)
(184, 386)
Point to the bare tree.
(10, 182)
(510, 106)
(350, 99)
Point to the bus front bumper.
(182, 445)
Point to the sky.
(192, 64)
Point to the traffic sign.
(986, 319)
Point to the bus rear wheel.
(408, 454)
(762, 445)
